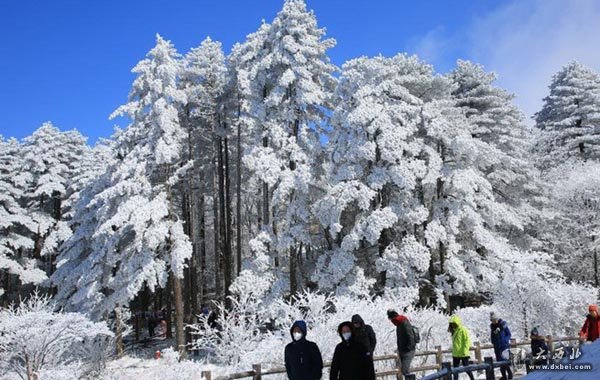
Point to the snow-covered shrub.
(236, 333)
(533, 294)
(248, 334)
(34, 338)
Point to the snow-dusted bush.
(254, 331)
(34, 338)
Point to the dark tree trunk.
(228, 222)
(265, 194)
(223, 220)
(119, 333)
(179, 323)
(201, 210)
(238, 206)
(217, 237)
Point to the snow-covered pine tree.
(568, 153)
(469, 251)
(375, 167)
(136, 237)
(52, 158)
(409, 186)
(17, 228)
(570, 117)
(498, 123)
(204, 117)
(292, 84)
(572, 232)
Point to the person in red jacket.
(591, 328)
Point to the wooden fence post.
(478, 352)
(550, 347)
(439, 356)
(489, 371)
(447, 365)
(257, 372)
(206, 375)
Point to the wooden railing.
(257, 372)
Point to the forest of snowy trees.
(269, 173)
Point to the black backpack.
(417, 333)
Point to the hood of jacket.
(399, 319)
(357, 318)
(345, 323)
(302, 325)
(456, 320)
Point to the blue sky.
(69, 61)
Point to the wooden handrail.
(257, 372)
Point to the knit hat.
(593, 308)
(391, 313)
(493, 316)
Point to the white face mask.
(346, 335)
(298, 336)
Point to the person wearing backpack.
(407, 339)
(350, 360)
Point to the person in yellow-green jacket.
(460, 344)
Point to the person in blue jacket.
(303, 359)
(500, 336)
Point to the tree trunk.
(596, 277)
(30, 375)
(119, 332)
(293, 283)
(217, 237)
(179, 329)
(228, 222)
(169, 306)
(201, 210)
(238, 206)
(265, 193)
(226, 259)
(187, 288)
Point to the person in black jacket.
(405, 338)
(350, 361)
(364, 334)
(303, 359)
(539, 348)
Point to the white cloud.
(433, 46)
(525, 42)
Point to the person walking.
(405, 339)
(500, 337)
(591, 327)
(350, 360)
(461, 344)
(303, 359)
(364, 334)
